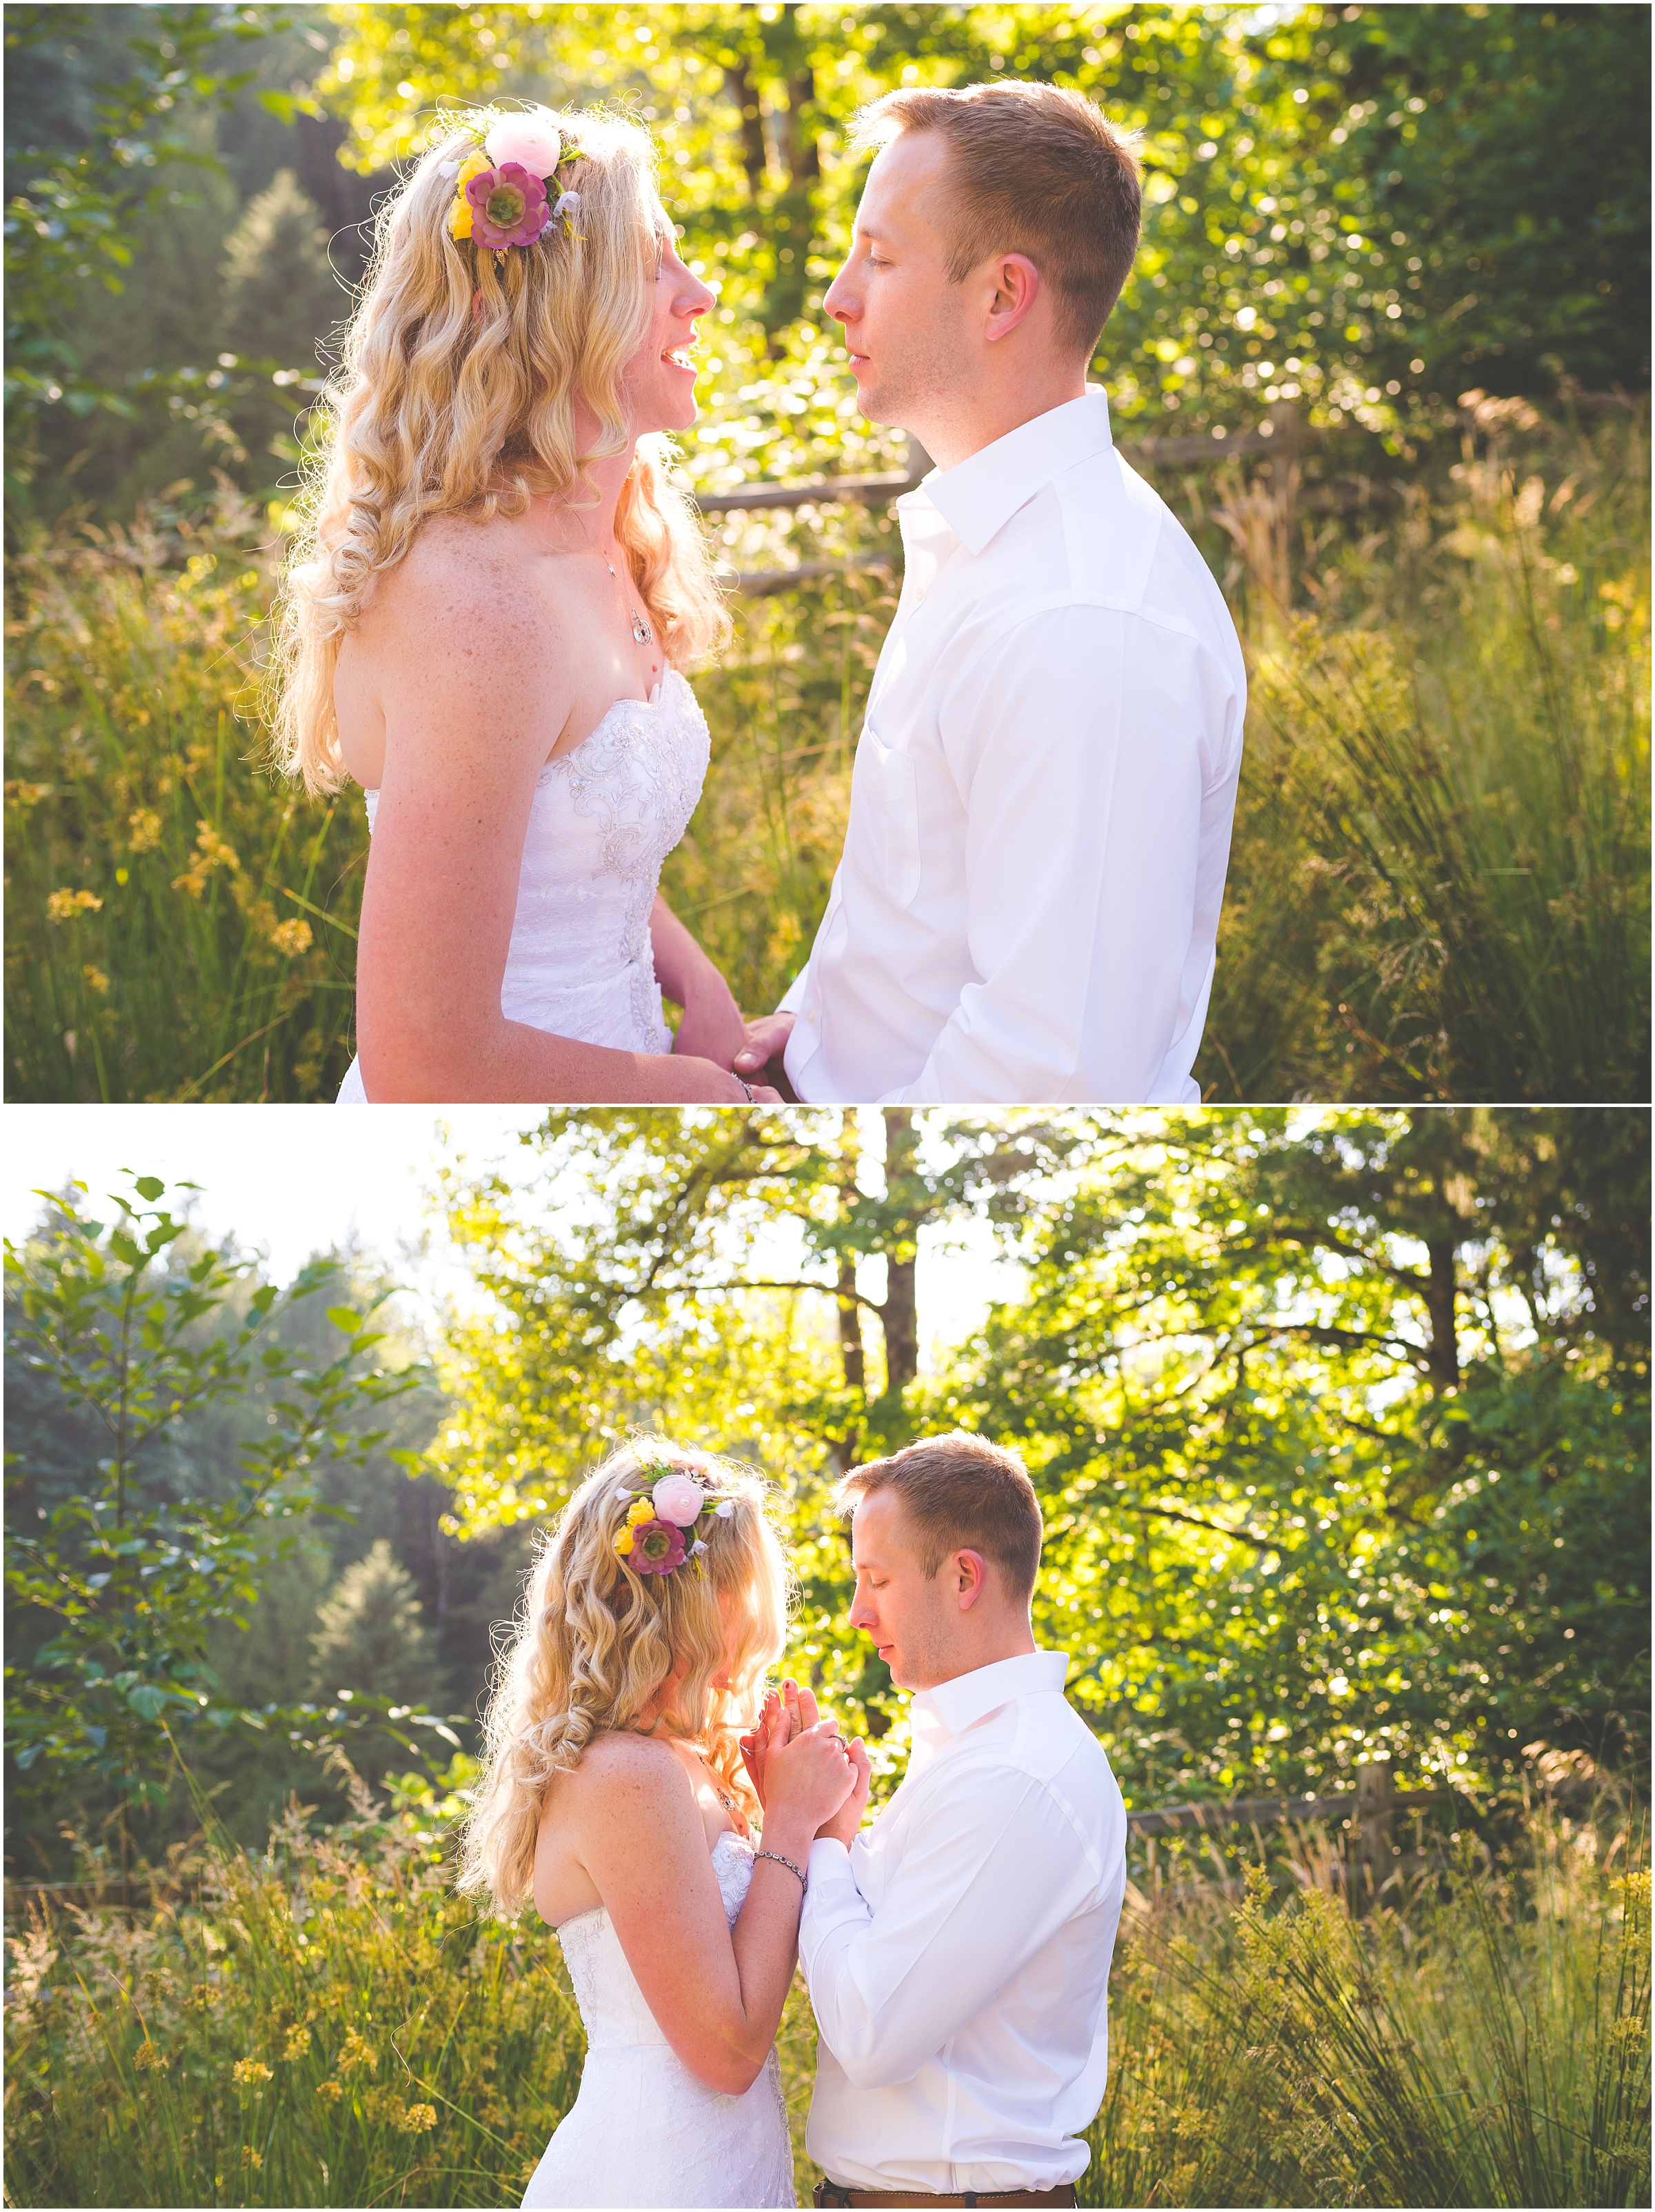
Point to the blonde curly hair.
(594, 1641)
(438, 407)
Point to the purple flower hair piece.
(508, 207)
(656, 1548)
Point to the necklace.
(718, 1790)
(642, 633)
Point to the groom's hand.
(842, 1828)
(767, 1040)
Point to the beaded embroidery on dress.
(604, 817)
(644, 2131)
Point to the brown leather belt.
(831, 2192)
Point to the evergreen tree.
(371, 1635)
(280, 293)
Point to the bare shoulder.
(458, 573)
(620, 1765)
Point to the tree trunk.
(1439, 1301)
(738, 82)
(850, 1327)
(804, 156)
(901, 1326)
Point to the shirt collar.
(938, 1716)
(978, 497)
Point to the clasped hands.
(790, 1714)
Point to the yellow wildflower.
(145, 826)
(623, 1542)
(95, 979)
(421, 2119)
(298, 2043)
(64, 905)
(356, 2053)
(251, 2157)
(146, 2055)
(291, 937)
(459, 215)
(640, 1510)
(212, 852)
(247, 2073)
(331, 2090)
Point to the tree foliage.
(1368, 209)
(129, 1560)
(1336, 1419)
(72, 208)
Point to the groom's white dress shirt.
(1027, 902)
(958, 1954)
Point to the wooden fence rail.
(1373, 1806)
(1372, 1798)
(1281, 435)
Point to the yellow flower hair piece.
(671, 1523)
(502, 196)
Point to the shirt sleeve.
(996, 1870)
(1083, 740)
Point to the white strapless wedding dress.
(644, 2131)
(604, 817)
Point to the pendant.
(641, 631)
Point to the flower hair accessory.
(671, 1523)
(501, 196)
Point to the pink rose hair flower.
(679, 1500)
(508, 207)
(656, 1548)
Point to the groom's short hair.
(1034, 169)
(959, 1492)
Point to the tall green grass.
(178, 927)
(330, 2025)
(1482, 2039)
(1439, 883)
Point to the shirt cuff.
(829, 1864)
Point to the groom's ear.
(1016, 288)
(971, 1571)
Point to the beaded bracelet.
(780, 1861)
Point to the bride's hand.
(756, 1745)
(809, 1778)
(711, 1027)
(782, 1716)
(693, 1081)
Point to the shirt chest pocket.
(891, 796)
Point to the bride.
(614, 1798)
(487, 619)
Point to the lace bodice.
(644, 2131)
(611, 2003)
(602, 820)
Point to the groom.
(1027, 902)
(957, 1952)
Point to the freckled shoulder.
(461, 573)
(620, 1771)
